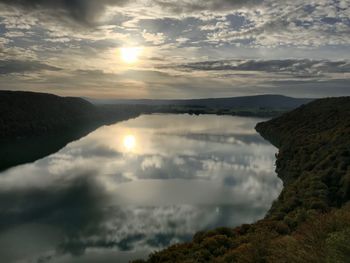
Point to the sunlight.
(129, 142)
(130, 55)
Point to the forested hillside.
(310, 221)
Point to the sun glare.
(129, 142)
(130, 55)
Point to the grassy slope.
(310, 221)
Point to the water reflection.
(129, 142)
(140, 185)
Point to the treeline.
(200, 110)
(310, 221)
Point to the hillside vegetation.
(310, 221)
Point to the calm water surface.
(134, 187)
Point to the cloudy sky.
(175, 48)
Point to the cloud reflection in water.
(98, 199)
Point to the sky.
(164, 49)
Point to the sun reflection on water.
(129, 142)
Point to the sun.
(129, 142)
(130, 55)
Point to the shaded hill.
(310, 221)
(260, 101)
(28, 113)
(34, 125)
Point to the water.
(134, 187)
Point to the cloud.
(89, 11)
(174, 33)
(156, 39)
(84, 11)
(301, 67)
(76, 203)
(234, 139)
(293, 23)
(22, 66)
(189, 6)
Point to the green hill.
(310, 221)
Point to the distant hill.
(259, 101)
(25, 114)
(310, 221)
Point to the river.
(134, 187)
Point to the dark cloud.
(309, 88)
(84, 11)
(227, 138)
(199, 5)
(68, 205)
(21, 66)
(88, 11)
(304, 67)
